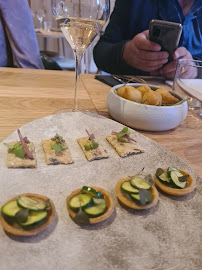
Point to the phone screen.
(166, 34)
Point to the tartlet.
(22, 232)
(123, 198)
(109, 210)
(191, 185)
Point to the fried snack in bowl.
(121, 91)
(152, 98)
(143, 89)
(167, 98)
(146, 117)
(130, 93)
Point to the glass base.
(194, 104)
(66, 110)
(200, 113)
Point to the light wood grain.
(26, 95)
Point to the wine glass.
(41, 13)
(80, 22)
(188, 82)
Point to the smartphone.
(166, 34)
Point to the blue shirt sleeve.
(17, 29)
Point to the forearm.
(108, 57)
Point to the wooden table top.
(26, 95)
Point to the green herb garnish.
(21, 148)
(90, 145)
(149, 179)
(81, 217)
(58, 143)
(22, 215)
(146, 195)
(9, 145)
(123, 132)
(16, 149)
(48, 205)
(183, 178)
(159, 172)
(123, 135)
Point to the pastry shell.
(129, 203)
(109, 201)
(191, 185)
(21, 232)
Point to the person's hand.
(168, 71)
(143, 54)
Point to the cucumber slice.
(97, 210)
(136, 198)
(92, 192)
(98, 201)
(173, 175)
(34, 219)
(164, 177)
(137, 182)
(9, 209)
(80, 200)
(33, 204)
(126, 187)
(172, 169)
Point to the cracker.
(55, 158)
(16, 162)
(124, 149)
(92, 154)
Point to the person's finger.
(168, 71)
(144, 44)
(146, 33)
(152, 68)
(169, 75)
(169, 68)
(153, 56)
(155, 73)
(147, 65)
(180, 52)
(152, 63)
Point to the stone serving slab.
(166, 236)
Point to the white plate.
(192, 86)
(127, 238)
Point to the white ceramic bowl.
(145, 117)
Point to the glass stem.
(78, 58)
(41, 24)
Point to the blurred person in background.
(18, 42)
(125, 47)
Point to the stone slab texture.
(165, 237)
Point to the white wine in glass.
(80, 21)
